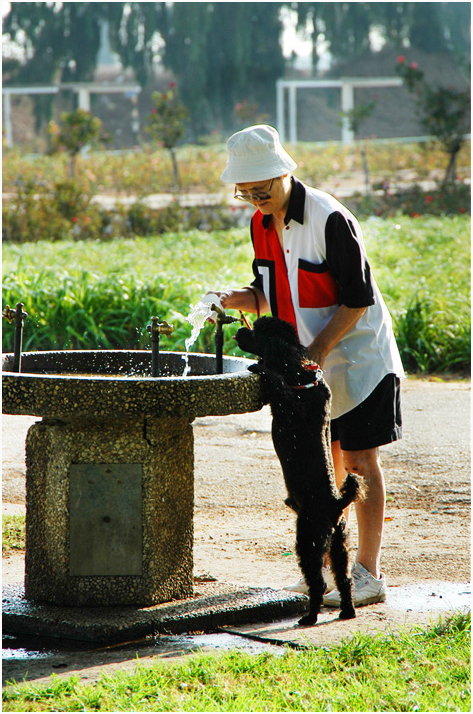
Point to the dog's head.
(274, 340)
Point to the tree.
(223, 54)
(60, 41)
(347, 27)
(444, 111)
(355, 118)
(167, 123)
(77, 130)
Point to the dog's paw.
(256, 368)
(308, 620)
(348, 613)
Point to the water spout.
(18, 316)
(156, 329)
(222, 319)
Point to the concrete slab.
(406, 607)
(215, 606)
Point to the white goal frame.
(347, 87)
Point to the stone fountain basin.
(113, 383)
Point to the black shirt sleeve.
(347, 262)
(257, 282)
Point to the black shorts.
(374, 422)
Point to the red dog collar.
(312, 367)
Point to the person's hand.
(219, 297)
(316, 354)
(223, 295)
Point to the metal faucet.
(222, 319)
(156, 329)
(18, 315)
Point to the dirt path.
(245, 535)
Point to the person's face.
(268, 196)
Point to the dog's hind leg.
(311, 545)
(340, 568)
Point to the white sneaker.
(299, 587)
(366, 589)
(302, 587)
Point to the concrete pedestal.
(109, 477)
(109, 511)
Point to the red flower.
(414, 65)
(172, 84)
(415, 215)
(401, 59)
(428, 199)
(74, 219)
(462, 209)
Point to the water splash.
(197, 317)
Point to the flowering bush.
(248, 113)
(167, 122)
(64, 210)
(78, 129)
(414, 201)
(444, 111)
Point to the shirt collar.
(295, 209)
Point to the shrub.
(65, 210)
(76, 130)
(167, 123)
(444, 112)
(415, 201)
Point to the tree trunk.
(175, 169)
(451, 172)
(366, 171)
(72, 165)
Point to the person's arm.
(341, 323)
(242, 299)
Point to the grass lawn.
(425, 670)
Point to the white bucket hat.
(256, 154)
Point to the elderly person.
(311, 269)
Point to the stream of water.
(197, 317)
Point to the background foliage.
(39, 204)
(221, 54)
(91, 294)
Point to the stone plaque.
(105, 519)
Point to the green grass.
(102, 295)
(92, 295)
(13, 533)
(422, 670)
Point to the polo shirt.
(322, 265)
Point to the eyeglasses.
(254, 196)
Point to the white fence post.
(7, 119)
(348, 102)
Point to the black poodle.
(300, 405)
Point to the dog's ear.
(272, 350)
(275, 327)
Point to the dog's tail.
(351, 490)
